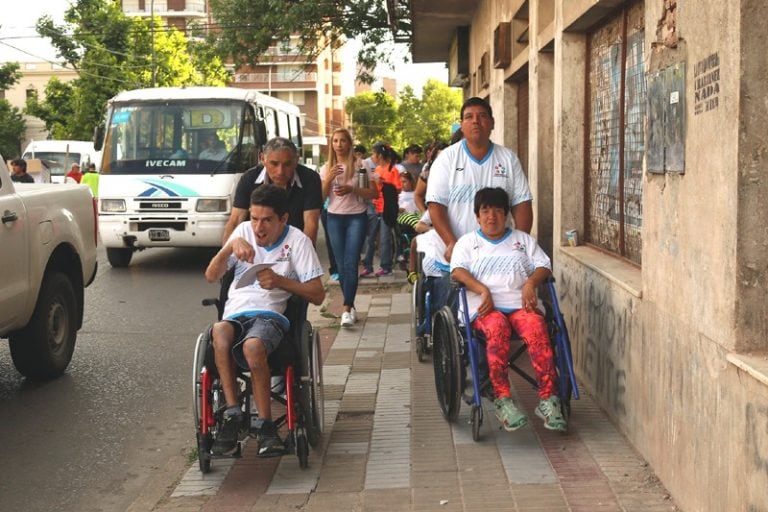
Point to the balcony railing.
(160, 8)
(296, 76)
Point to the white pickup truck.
(47, 258)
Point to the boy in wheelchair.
(253, 324)
(501, 269)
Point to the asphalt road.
(93, 439)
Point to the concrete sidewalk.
(387, 446)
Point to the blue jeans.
(385, 245)
(331, 257)
(370, 236)
(347, 233)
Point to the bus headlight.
(211, 205)
(113, 205)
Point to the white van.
(59, 155)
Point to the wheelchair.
(297, 360)
(456, 348)
(403, 235)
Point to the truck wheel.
(119, 258)
(43, 349)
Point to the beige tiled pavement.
(388, 448)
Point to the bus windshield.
(175, 137)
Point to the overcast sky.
(19, 42)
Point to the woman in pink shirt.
(347, 218)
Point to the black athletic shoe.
(226, 438)
(270, 444)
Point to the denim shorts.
(269, 330)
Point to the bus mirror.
(98, 137)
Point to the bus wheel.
(119, 258)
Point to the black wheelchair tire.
(204, 443)
(311, 394)
(417, 316)
(446, 358)
(197, 366)
(302, 447)
(477, 420)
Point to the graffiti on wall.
(706, 88)
(604, 323)
(756, 435)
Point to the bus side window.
(296, 131)
(270, 122)
(282, 125)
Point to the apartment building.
(314, 85)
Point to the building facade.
(35, 76)
(313, 84)
(641, 127)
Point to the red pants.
(531, 327)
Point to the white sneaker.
(347, 320)
(353, 314)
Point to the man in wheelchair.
(271, 261)
(501, 269)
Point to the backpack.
(391, 208)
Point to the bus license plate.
(159, 235)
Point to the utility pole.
(152, 29)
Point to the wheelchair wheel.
(311, 379)
(564, 384)
(302, 447)
(204, 439)
(476, 418)
(446, 358)
(417, 317)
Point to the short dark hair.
(474, 101)
(457, 136)
(280, 144)
(20, 162)
(271, 196)
(359, 148)
(413, 148)
(494, 197)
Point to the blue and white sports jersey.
(434, 263)
(294, 257)
(456, 176)
(502, 265)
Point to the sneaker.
(366, 273)
(226, 438)
(353, 314)
(413, 277)
(346, 319)
(509, 415)
(270, 444)
(334, 278)
(382, 273)
(550, 411)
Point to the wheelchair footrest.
(238, 453)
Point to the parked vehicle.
(48, 258)
(172, 158)
(59, 155)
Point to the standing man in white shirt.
(468, 166)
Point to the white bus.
(59, 155)
(171, 161)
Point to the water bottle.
(362, 182)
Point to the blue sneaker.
(334, 277)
